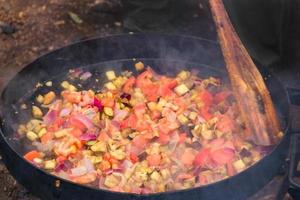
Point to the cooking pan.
(167, 54)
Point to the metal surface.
(171, 52)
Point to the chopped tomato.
(204, 112)
(130, 122)
(206, 97)
(230, 169)
(140, 141)
(163, 138)
(166, 86)
(188, 157)
(103, 136)
(150, 91)
(128, 86)
(142, 125)
(133, 157)
(77, 124)
(155, 115)
(222, 156)
(154, 160)
(221, 96)
(202, 157)
(46, 137)
(60, 159)
(31, 155)
(76, 132)
(167, 127)
(182, 137)
(72, 97)
(108, 102)
(183, 176)
(139, 109)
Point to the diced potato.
(139, 66)
(165, 173)
(118, 154)
(65, 85)
(38, 160)
(181, 89)
(61, 133)
(49, 97)
(125, 132)
(239, 165)
(108, 111)
(96, 159)
(193, 115)
(219, 133)
(42, 132)
(119, 82)
(183, 119)
(91, 143)
(99, 147)
(110, 86)
(40, 98)
(183, 75)
(50, 164)
(37, 112)
(110, 75)
(207, 134)
(48, 83)
(116, 135)
(247, 160)
(31, 135)
(152, 106)
(156, 176)
(111, 181)
(22, 129)
(72, 88)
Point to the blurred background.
(31, 28)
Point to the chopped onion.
(50, 117)
(98, 104)
(85, 76)
(85, 120)
(48, 147)
(79, 171)
(88, 137)
(88, 165)
(65, 112)
(125, 96)
(120, 114)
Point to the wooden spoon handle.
(253, 98)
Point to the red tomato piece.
(140, 141)
(76, 132)
(204, 112)
(133, 157)
(129, 84)
(182, 137)
(154, 159)
(202, 157)
(31, 155)
(206, 97)
(163, 138)
(222, 156)
(188, 157)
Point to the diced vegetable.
(99, 147)
(139, 134)
(30, 156)
(110, 75)
(239, 165)
(31, 135)
(139, 66)
(181, 89)
(49, 164)
(49, 97)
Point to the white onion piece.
(79, 171)
(65, 112)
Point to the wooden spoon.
(253, 98)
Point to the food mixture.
(140, 134)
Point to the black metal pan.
(166, 54)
